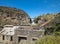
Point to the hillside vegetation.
(49, 40)
(52, 29)
(13, 16)
(53, 26)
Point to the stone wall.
(26, 36)
(31, 35)
(7, 39)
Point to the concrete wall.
(7, 39)
(22, 33)
(29, 34)
(32, 33)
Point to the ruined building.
(17, 27)
(20, 34)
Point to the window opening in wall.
(11, 39)
(21, 38)
(3, 37)
(34, 39)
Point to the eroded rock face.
(13, 16)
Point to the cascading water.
(33, 23)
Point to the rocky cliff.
(13, 16)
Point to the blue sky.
(34, 7)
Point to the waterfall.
(33, 23)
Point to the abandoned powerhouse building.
(20, 34)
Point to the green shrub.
(49, 40)
(57, 33)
